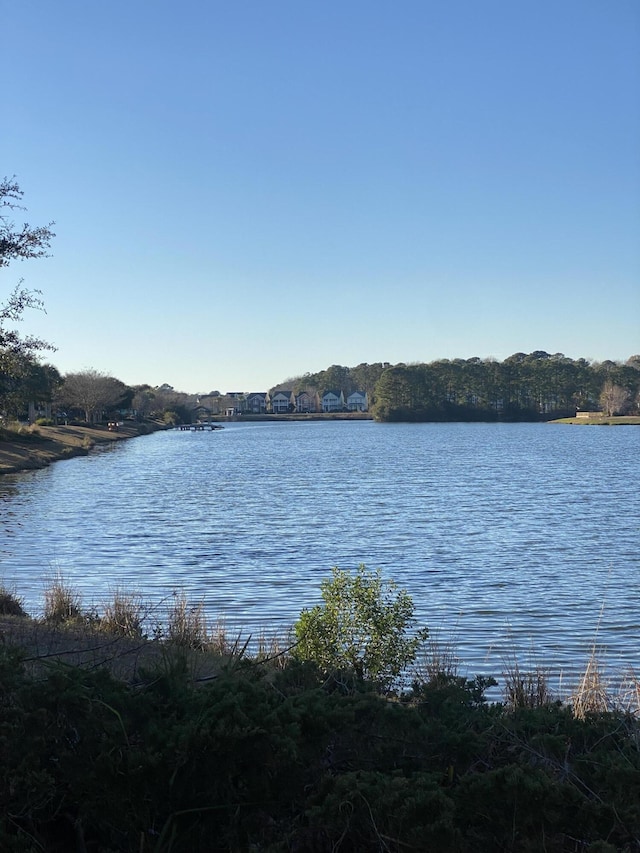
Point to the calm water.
(508, 536)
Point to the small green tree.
(362, 627)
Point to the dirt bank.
(37, 447)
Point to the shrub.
(44, 422)
(362, 628)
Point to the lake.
(513, 539)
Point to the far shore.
(601, 420)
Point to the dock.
(198, 427)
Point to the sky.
(246, 191)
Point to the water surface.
(508, 536)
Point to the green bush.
(362, 629)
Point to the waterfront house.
(282, 402)
(229, 404)
(333, 401)
(357, 402)
(306, 402)
(255, 403)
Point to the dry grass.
(628, 700)
(116, 638)
(187, 625)
(124, 615)
(218, 639)
(526, 688)
(591, 695)
(26, 448)
(11, 603)
(436, 660)
(132, 661)
(274, 649)
(61, 603)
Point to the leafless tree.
(613, 399)
(93, 392)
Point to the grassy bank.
(601, 420)
(26, 448)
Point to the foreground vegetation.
(294, 749)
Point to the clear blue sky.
(248, 190)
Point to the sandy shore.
(42, 445)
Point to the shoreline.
(39, 446)
(604, 420)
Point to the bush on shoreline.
(361, 629)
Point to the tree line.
(525, 386)
(534, 386)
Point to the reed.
(11, 603)
(591, 695)
(187, 624)
(124, 615)
(526, 688)
(436, 660)
(61, 603)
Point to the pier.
(198, 427)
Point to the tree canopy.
(535, 386)
(94, 392)
(18, 243)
